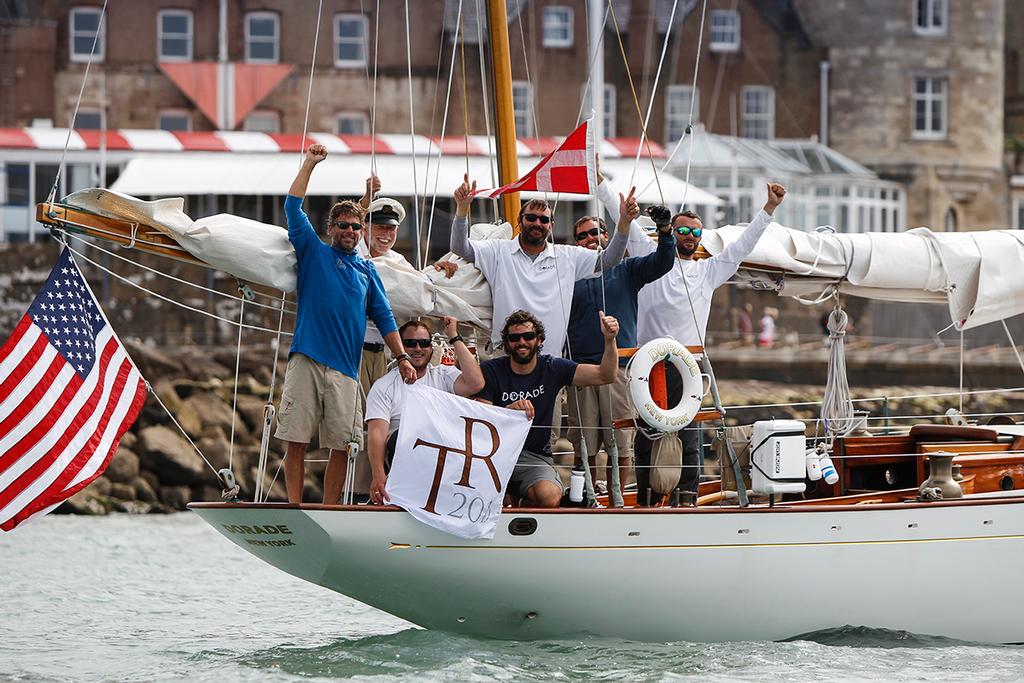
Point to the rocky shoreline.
(157, 470)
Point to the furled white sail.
(973, 272)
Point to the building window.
(88, 119)
(930, 107)
(1019, 215)
(931, 17)
(174, 120)
(558, 26)
(350, 38)
(353, 123)
(262, 121)
(262, 31)
(609, 110)
(725, 30)
(758, 112)
(17, 184)
(678, 101)
(85, 21)
(951, 220)
(522, 108)
(174, 35)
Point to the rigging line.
(444, 127)
(636, 101)
(1013, 345)
(465, 93)
(693, 90)
(166, 275)
(654, 89)
(529, 78)
(584, 95)
(309, 90)
(433, 120)
(412, 131)
(78, 103)
(170, 300)
(373, 97)
(234, 393)
(491, 159)
(961, 371)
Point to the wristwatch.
(404, 356)
(456, 338)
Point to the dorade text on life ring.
(676, 417)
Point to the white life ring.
(638, 379)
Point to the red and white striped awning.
(132, 140)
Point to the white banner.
(453, 459)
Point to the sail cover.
(259, 253)
(972, 272)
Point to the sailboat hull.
(725, 574)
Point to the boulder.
(124, 467)
(100, 486)
(216, 450)
(128, 440)
(215, 412)
(168, 393)
(175, 497)
(170, 456)
(150, 478)
(250, 408)
(144, 491)
(85, 502)
(210, 494)
(189, 419)
(200, 365)
(152, 362)
(122, 491)
(133, 507)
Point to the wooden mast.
(508, 160)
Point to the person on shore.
(529, 272)
(527, 380)
(679, 304)
(337, 290)
(381, 223)
(745, 324)
(386, 397)
(766, 336)
(592, 410)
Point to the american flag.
(68, 392)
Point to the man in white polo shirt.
(529, 272)
(384, 402)
(665, 310)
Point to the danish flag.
(569, 167)
(68, 392)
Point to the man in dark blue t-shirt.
(528, 381)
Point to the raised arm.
(471, 381)
(459, 243)
(628, 210)
(372, 188)
(314, 155)
(725, 264)
(590, 375)
(638, 243)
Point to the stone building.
(916, 94)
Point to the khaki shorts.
(318, 397)
(599, 407)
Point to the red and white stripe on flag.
(569, 167)
(68, 392)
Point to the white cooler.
(778, 457)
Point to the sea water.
(160, 598)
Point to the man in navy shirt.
(592, 410)
(529, 381)
(337, 290)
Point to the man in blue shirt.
(592, 410)
(337, 290)
(529, 381)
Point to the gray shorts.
(530, 469)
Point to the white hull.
(666, 575)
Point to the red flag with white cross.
(569, 167)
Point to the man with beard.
(337, 290)
(529, 272)
(592, 410)
(529, 381)
(665, 310)
(385, 400)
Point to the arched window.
(951, 220)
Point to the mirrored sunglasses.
(686, 230)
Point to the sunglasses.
(413, 343)
(540, 218)
(516, 336)
(686, 230)
(342, 225)
(593, 232)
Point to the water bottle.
(576, 486)
(828, 470)
(813, 465)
